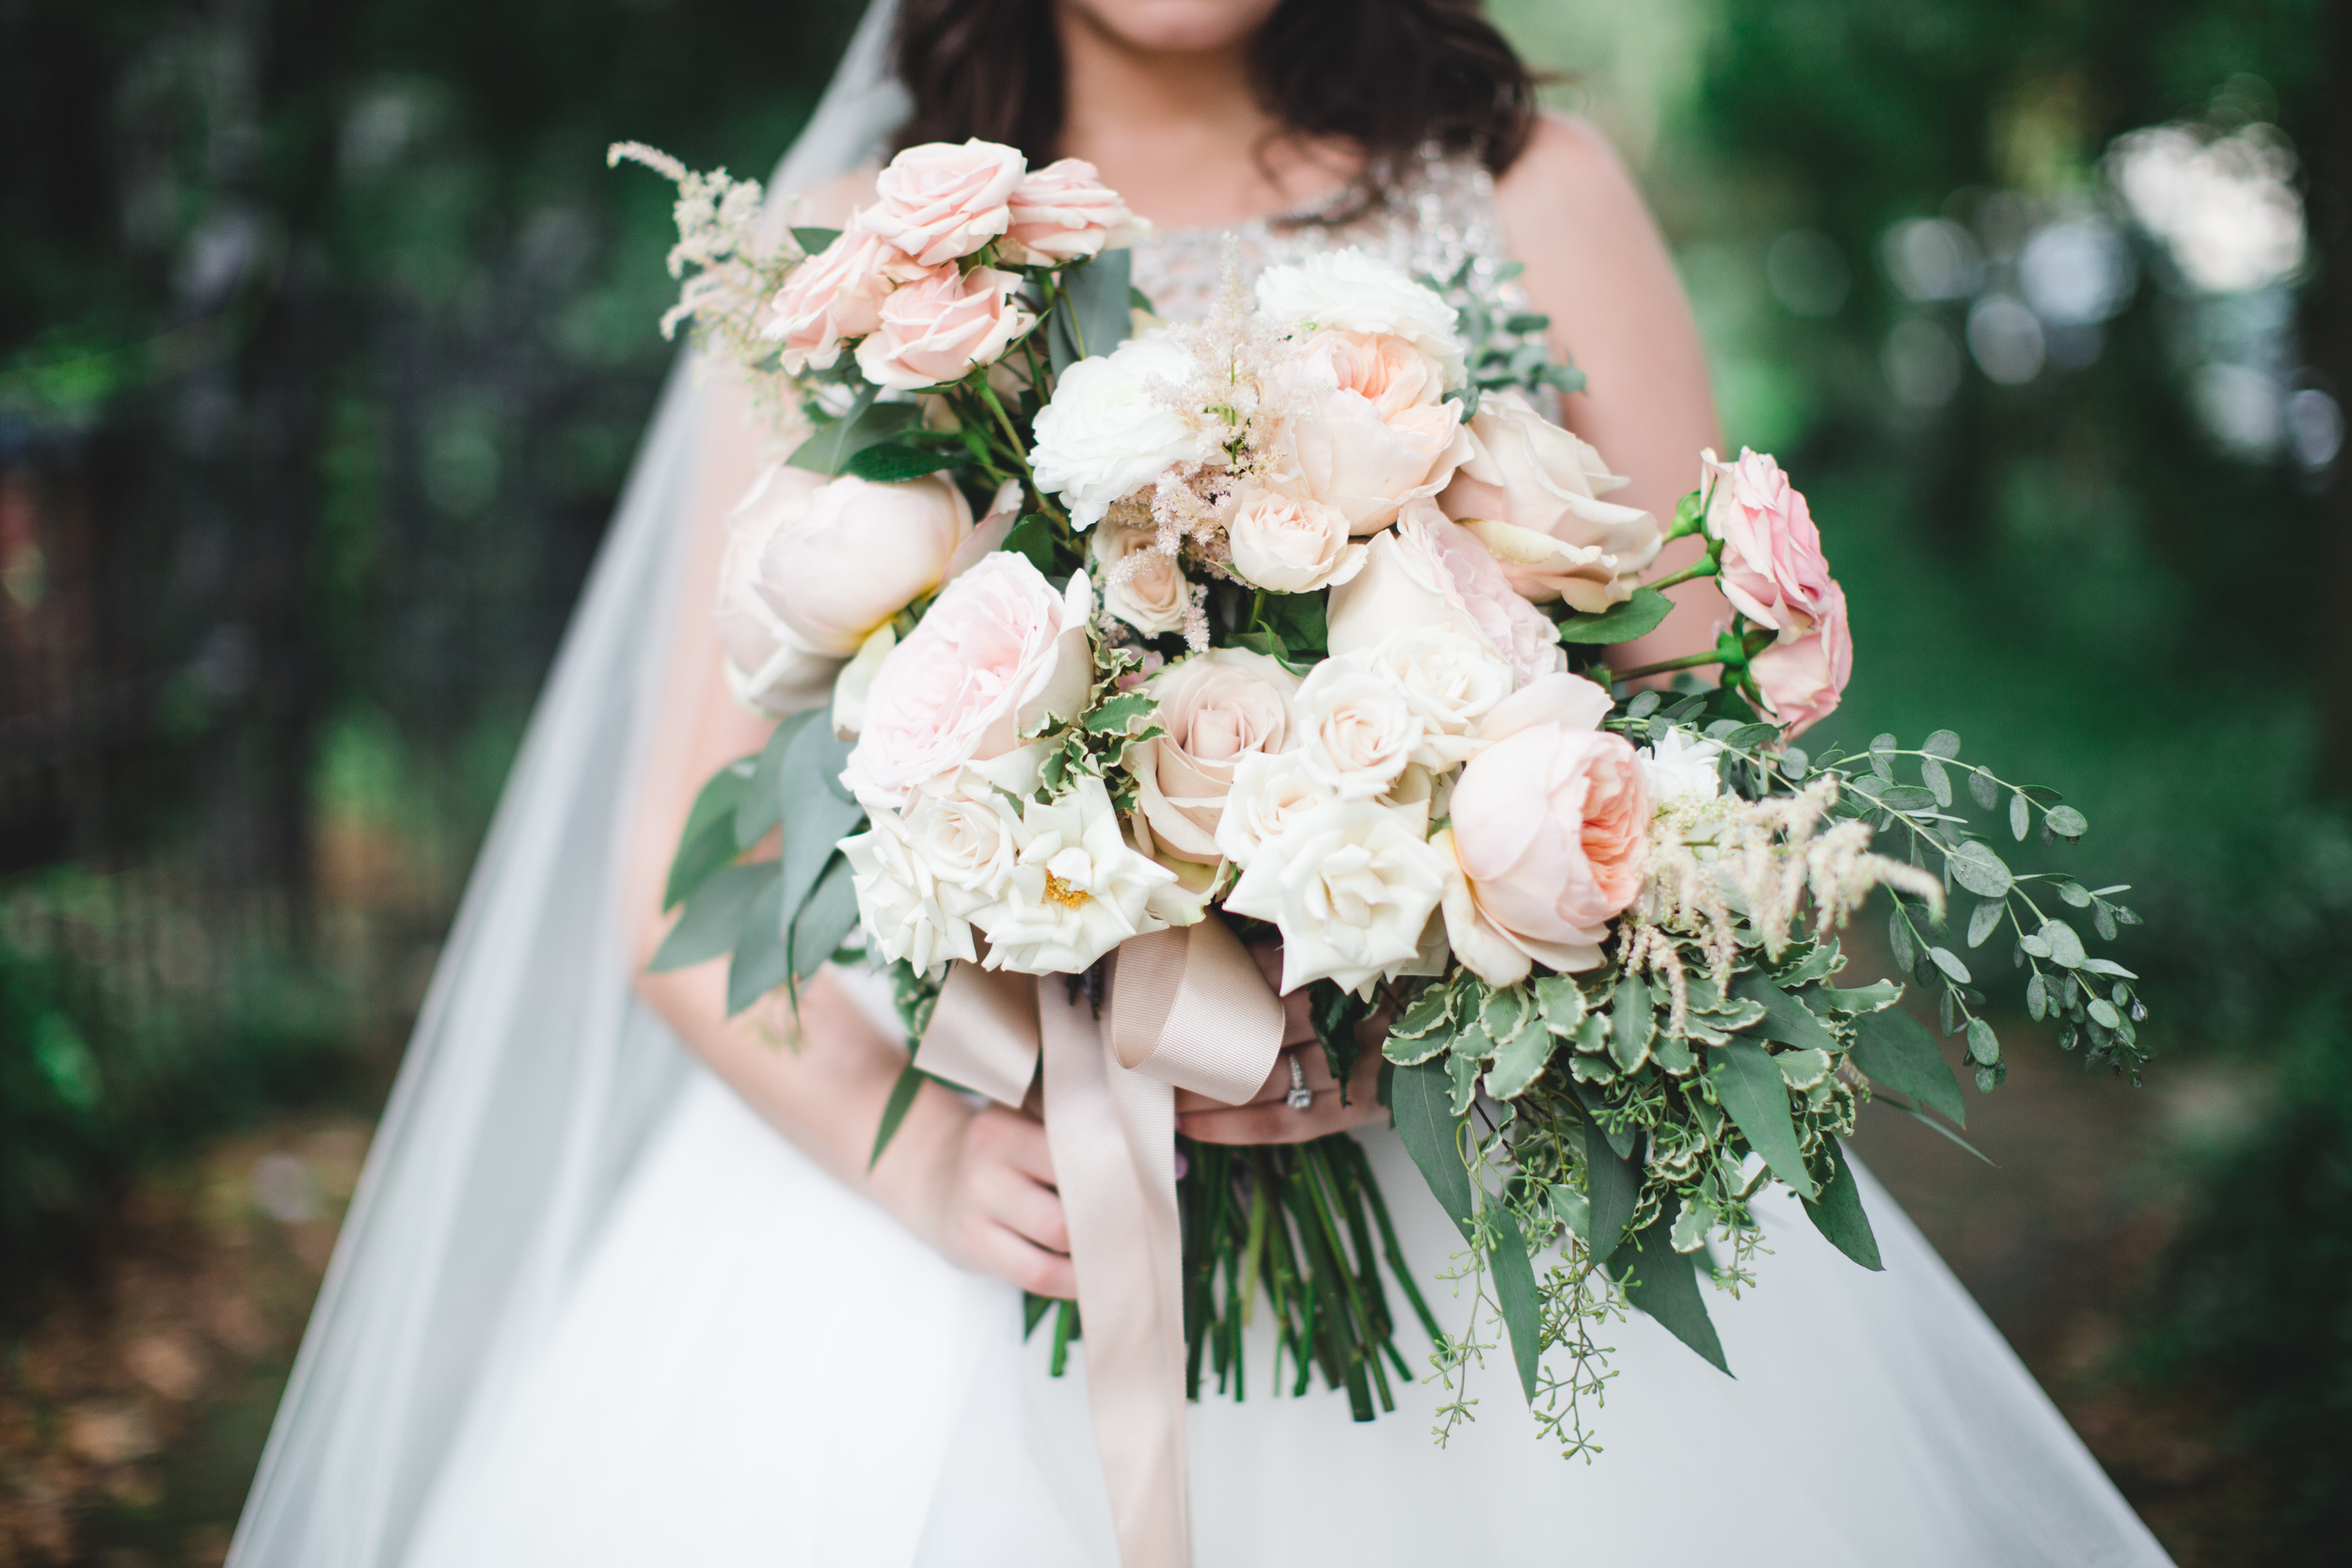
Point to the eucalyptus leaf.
(2020, 817)
(816, 818)
(895, 461)
(1976, 867)
(1620, 1139)
(1418, 1098)
(1515, 1292)
(1984, 1047)
(866, 423)
(762, 805)
(828, 916)
(1619, 622)
(1895, 1049)
(1664, 1284)
(760, 962)
(1983, 789)
(1943, 744)
(1949, 961)
(1838, 1213)
(895, 1110)
(1752, 1091)
(2066, 948)
(708, 840)
(1095, 315)
(1614, 1185)
(714, 919)
(1939, 783)
(812, 240)
(2067, 822)
(1985, 920)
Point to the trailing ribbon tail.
(1188, 1009)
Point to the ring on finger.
(1300, 1097)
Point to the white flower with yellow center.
(1077, 889)
(1351, 884)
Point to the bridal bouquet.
(1082, 628)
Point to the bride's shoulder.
(1571, 211)
(829, 203)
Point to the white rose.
(1531, 491)
(1290, 545)
(1217, 710)
(1077, 891)
(1354, 292)
(1451, 678)
(1105, 434)
(999, 653)
(1679, 766)
(1351, 885)
(1429, 570)
(1367, 431)
(1270, 789)
(1140, 584)
(898, 899)
(1360, 729)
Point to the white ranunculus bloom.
(1077, 888)
(898, 899)
(1269, 789)
(1351, 885)
(1452, 678)
(1680, 767)
(1360, 729)
(1352, 290)
(1107, 433)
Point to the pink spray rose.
(1372, 429)
(1773, 570)
(1000, 651)
(1064, 213)
(939, 202)
(1803, 676)
(1431, 571)
(939, 328)
(1548, 831)
(1535, 492)
(836, 295)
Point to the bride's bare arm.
(1597, 266)
(975, 1185)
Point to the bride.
(603, 1300)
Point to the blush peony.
(1369, 430)
(1431, 571)
(1352, 290)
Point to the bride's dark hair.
(1389, 75)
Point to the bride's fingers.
(1276, 1090)
(1273, 1120)
(1014, 1140)
(1028, 1210)
(1013, 1257)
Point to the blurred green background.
(325, 341)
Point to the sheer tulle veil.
(534, 1073)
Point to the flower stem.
(1702, 567)
(1687, 661)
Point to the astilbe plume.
(737, 268)
(1771, 856)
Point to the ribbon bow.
(1188, 1009)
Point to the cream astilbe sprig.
(730, 265)
(1710, 860)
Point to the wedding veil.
(535, 1071)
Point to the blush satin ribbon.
(1188, 1009)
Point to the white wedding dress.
(589, 1311)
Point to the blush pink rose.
(1549, 829)
(942, 327)
(1064, 213)
(837, 560)
(1429, 570)
(1370, 428)
(939, 202)
(1773, 570)
(999, 652)
(1531, 491)
(833, 296)
(1802, 677)
(1216, 709)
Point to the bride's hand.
(995, 1207)
(1267, 1118)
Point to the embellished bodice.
(1437, 215)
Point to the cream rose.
(1804, 677)
(1534, 491)
(1431, 571)
(939, 202)
(896, 900)
(1548, 828)
(1351, 291)
(1351, 885)
(1064, 213)
(1270, 789)
(1077, 888)
(838, 558)
(1773, 570)
(1107, 434)
(1139, 584)
(1290, 545)
(769, 666)
(1217, 709)
(1450, 678)
(1359, 729)
(1368, 431)
(943, 327)
(998, 653)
